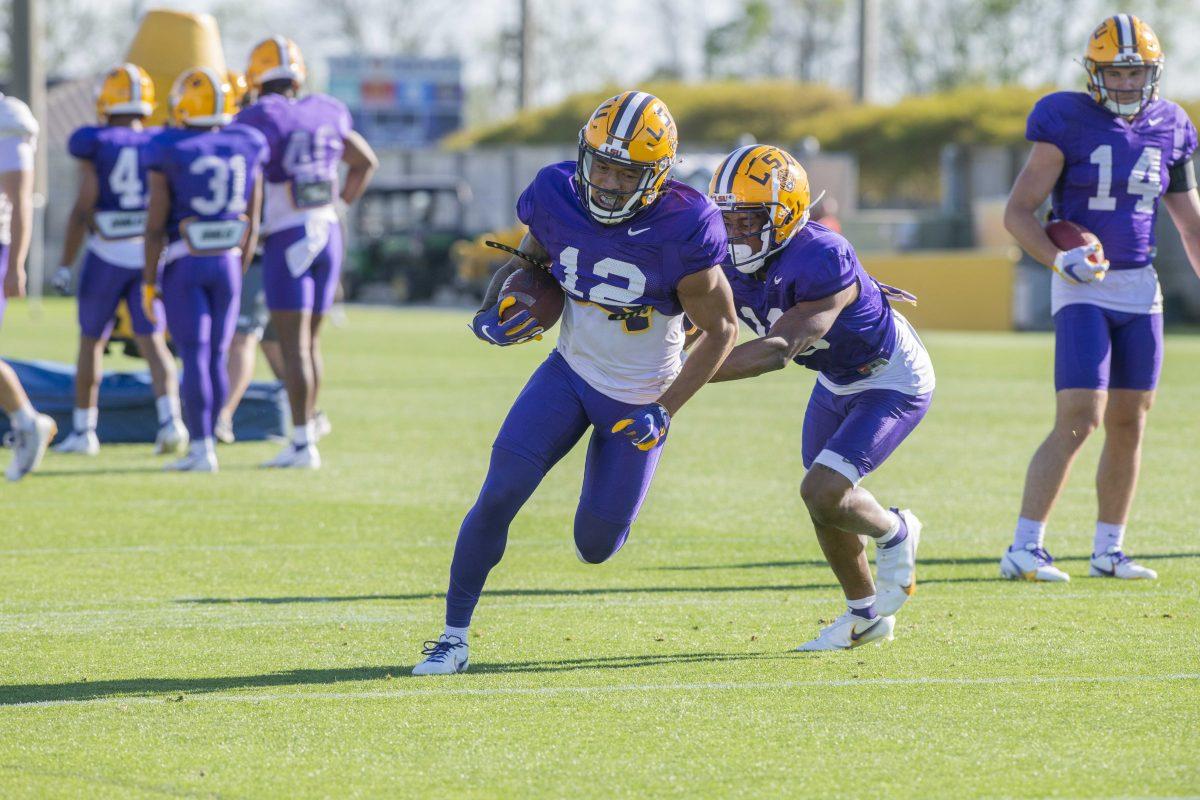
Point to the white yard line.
(542, 691)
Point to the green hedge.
(897, 146)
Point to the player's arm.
(255, 211)
(77, 222)
(708, 302)
(362, 163)
(18, 185)
(157, 212)
(1031, 189)
(528, 245)
(797, 330)
(1183, 204)
(520, 327)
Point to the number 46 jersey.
(1116, 170)
(622, 329)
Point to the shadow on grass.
(921, 562)
(177, 689)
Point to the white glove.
(62, 280)
(1081, 264)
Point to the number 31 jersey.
(1115, 170)
(119, 217)
(622, 328)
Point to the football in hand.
(537, 292)
(1068, 235)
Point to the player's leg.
(544, 423)
(327, 276)
(223, 296)
(99, 292)
(1081, 370)
(32, 432)
(187, 303)
(1136, 364)
(172, 437)
(252, 319)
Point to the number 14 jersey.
(622, 329)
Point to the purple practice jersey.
(119, 216)
(306, 138)
(1115, 170)
(211, 174)
(621, 329)
(817, 263)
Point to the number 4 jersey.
(1114, 173)
(622, 329)
(118, 155)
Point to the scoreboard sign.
(399, 100)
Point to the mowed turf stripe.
(731, 686)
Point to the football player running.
(632, 250)
(205, 200)
(112, 202)
(801, 287)
(31, 431)
(302, 249)
(1106, 156)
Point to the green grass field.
(250, 634)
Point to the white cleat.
(194, 462)
(323, 425)
(896, 568)
(172, 439)
(296, 457)
(29, 447)
(447, 656)
(850, 630)
(1031, 563)
(84, 443)
(223, 431)
(1112, 563)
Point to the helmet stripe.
(135, 83)
(1124, 32)
(281, 44)
(636, 115)
(735, 161)
(218, 94)
(628, 115)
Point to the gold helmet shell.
(201, 97)
(1123, 40)
(275, 58)
(126, 89)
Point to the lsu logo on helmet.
(1123, 41)
(762, 178)
(633, 130)
(126, 89)
(201, 97)
(273, 59)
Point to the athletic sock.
(1107, 535)
(897, 534)
(864, 607)
(168, 408)
(24, 417)
(1028, 532)
(84, 420)
(461, 633)
(302, 435)
(203, 447)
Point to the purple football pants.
(316, 287)
(858, 431)
(201, 298)
(1098, 348)
(551, 414)
(101, 287)
(3, 272)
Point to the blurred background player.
(800, 286)
(112, 202)
(302, 244)
(633, 251)
(253, 324)
(1108, 156)
(31, 431)
(205, 199)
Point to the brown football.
(537, 292)
(1068, 235)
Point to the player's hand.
(150, 293)
(645, 427)
(1080, 265)
(14, 283)
(62, 280)
(517, 329)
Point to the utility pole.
(29, 84)
(868, 50)
(524, 55)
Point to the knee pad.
(597, 539)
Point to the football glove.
(517, 329)
(62, 280)
(645, 426)
(1077, 265)
(150, 293)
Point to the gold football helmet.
(202, 98)
(632, 134)
(241, 89)
(126, 89)
(761, 178)
(1123, 41)
(273, 59)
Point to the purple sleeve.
(1045, 123)
(707, 247)
(832, 270)
(345, 122)
(261, 148)
(82, 143)
(153, 155)
(525, 204)
(1185, 139)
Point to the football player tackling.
(801, 287)
(632, 250)
(1107, 157)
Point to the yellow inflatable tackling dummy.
(170, 42)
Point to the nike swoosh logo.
(779, 279)
(485, 333)
(856, 635)
(1153, 122)
(632, 232)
